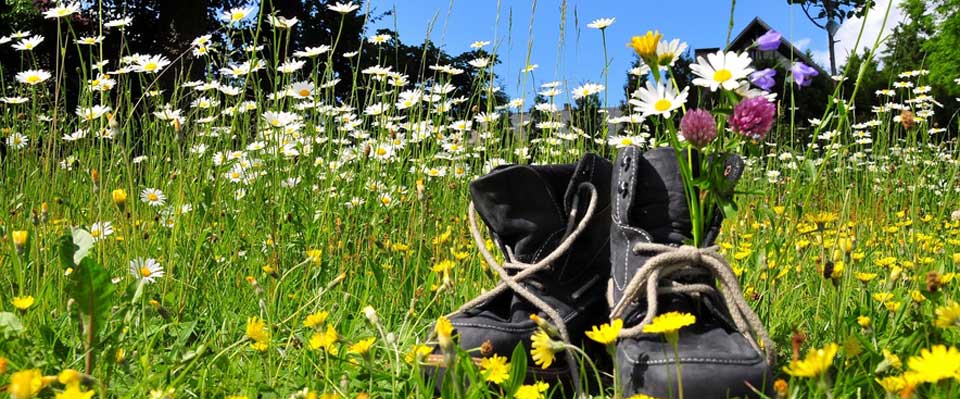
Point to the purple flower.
(769, 41)
(803, 74)
(753, 117)
(764, 78)
(698, 127)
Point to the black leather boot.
(552, 224)
(719, 357)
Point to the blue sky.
(701, 23)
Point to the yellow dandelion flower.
(444, 331)
(534, 391)
(816, 362)
(325, 340)
(315, 319)
(22, 302)
(257, 329)
(443, 266)
(669, 323)
(495, 369)
(641, 396)
(25, 384)
(607, 333)
(73, 391)
(314, 256)
(948, 315)
(417, 353)
(544, 349)
(936, 363)
(865, 277)
(863, 321)
(646, 45)
(362, 347)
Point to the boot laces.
(659, 274)
(526, 270)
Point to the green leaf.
(10, 323)
(518, 369)
(67, 249)
(91, 289)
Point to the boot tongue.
(522, 206)
(659, 205)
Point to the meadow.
(264, 239)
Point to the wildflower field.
(252, 234)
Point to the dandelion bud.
(444, 330)
(907, 119)
(781, 388)
(486, 349)
(20, 241)
(95, 178)
(796, 341)
(119, 198)
(698, 127)
(44, 212)
(3, 365)
(864, 321)
(934, 282)
(371, 314)
(544, 325)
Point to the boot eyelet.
(625, 163)
(622, 189)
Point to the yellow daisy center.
(662, 105)
(722, 75)
(381, 151)
(33, 79)
(152, 197)
(150, 66)
(275, 122)
(627, 140)
(145, 271)
(304, 92)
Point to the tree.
(829, 14)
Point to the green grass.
(236, 250)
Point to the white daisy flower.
(61, 10)
(658, 100)
(343, 8)
(101, 230)
(146, 270)
(153, 197)
(33, 76)
(17, 140)
(27, 44)
(236, 14)
(721, 69)
(601, 23)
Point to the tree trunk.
(833, 54)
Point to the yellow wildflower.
(25, 384)
(534, 391)
(315, 319)
(325, 340)
(362, 347)
(948, 315)
(416, 353)
(863, 321)
(444, 331)
(22, 302)
(544, 349)
(495, 369)
(936, 363)
(646, 46)
(607, 333)
(73, 391)
(816, 362)
(669, 323)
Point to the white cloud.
(846, 36)
(802, 44)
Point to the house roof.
(756, 28)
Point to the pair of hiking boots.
(589, 242)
